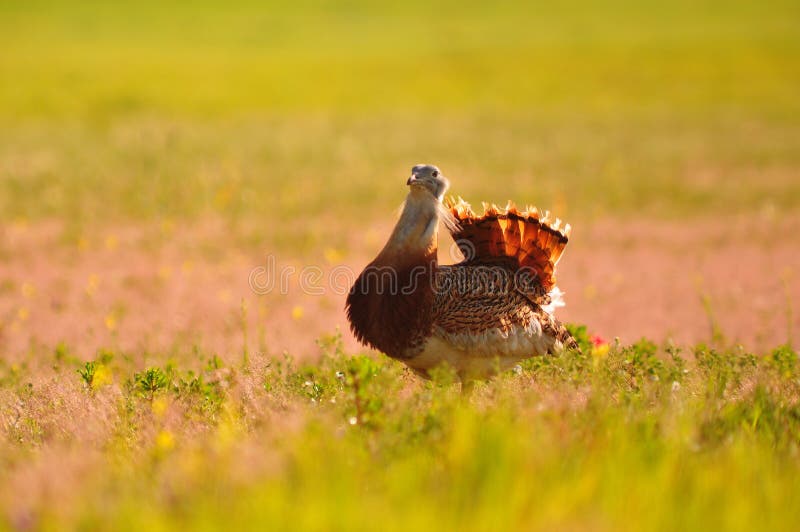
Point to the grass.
(626, 437)
(293, 127)
(259, 114)
(101, 60)
(307, 180)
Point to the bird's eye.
(435, 173)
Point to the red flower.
(597, 340)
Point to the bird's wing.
(480, 310)
(528, 240)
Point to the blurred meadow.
(152, 154)
(313, 112)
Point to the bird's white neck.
(417, 229)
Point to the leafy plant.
(87, 373)
(784, 360)
(581, 335)
(151, 381)
(360, 373)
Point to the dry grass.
(176, 288)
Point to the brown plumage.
(532, 239)
(481, 315)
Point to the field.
(152, 157)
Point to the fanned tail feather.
(530, 238)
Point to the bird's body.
(480, 316)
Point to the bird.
(480, 316)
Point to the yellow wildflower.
(111, 242)
(590, 292)
(28, 290)
(600, 351)
(102, 376)
(297, 312)
(92, 284)
(333, 255)
(165, 441)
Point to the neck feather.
(417, 230)
(395, 320)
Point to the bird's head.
(428, 178)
